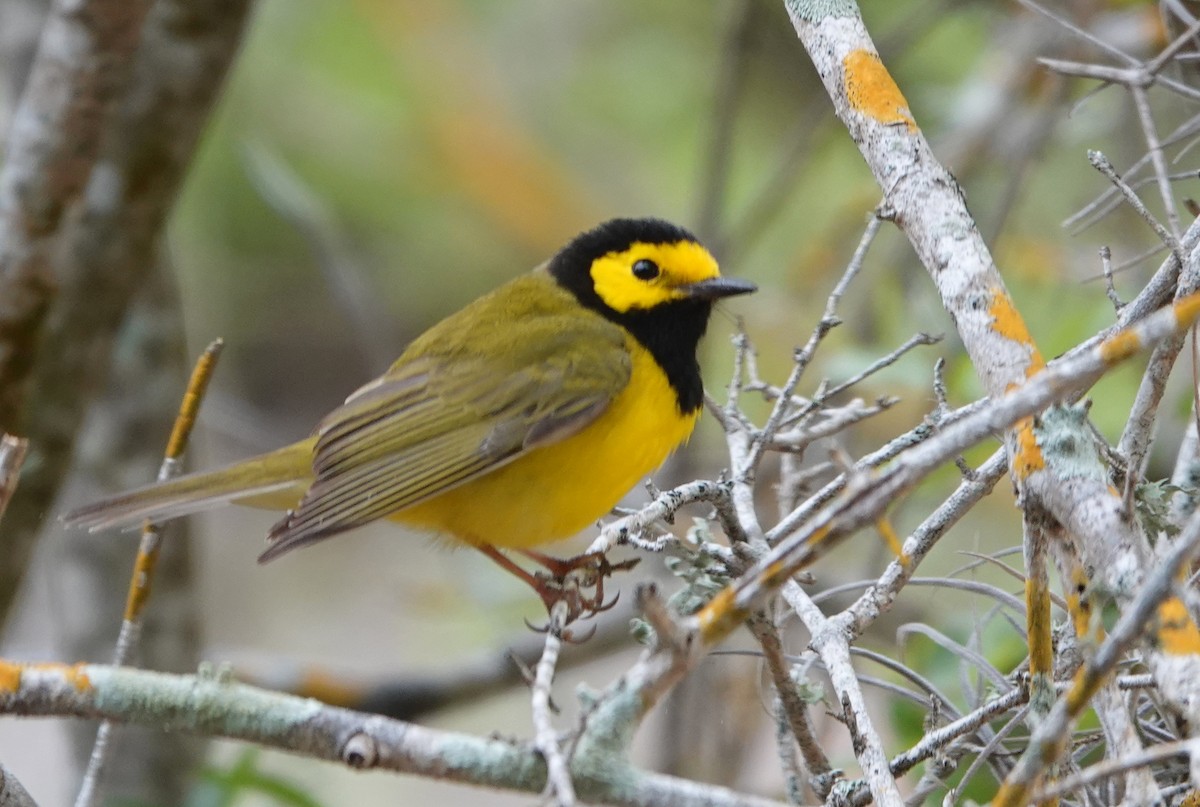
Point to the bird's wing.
(434, 422)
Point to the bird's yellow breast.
(557, 490)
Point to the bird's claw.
(579, 583)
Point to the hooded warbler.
(517, 421)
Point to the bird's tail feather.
(270, 480)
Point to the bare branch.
(12, 792)
(558, 775)
(12, 457)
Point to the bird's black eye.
(645, 269)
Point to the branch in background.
(365, 314)
(12, 792)
(739, 35)
(102, 243)
(84, 58)
(12, 457)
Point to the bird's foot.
(579, 581)
(576, 581)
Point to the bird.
(515, 422)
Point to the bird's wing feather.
(434, 422)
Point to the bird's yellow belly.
(557, 490)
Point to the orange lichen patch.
(10, 676)
(1177, 633)
(190, 405)
(719, 617)
(888, 533)
(775, 574)
(871, 90)
(1028, 457)
(1010, 795)
(1037, 604)
(139, 583)
(1080, 618)
(1007, 322)
(1120, 346)
(1192, 799)
(1187, 310)
(1016, 793)
(1078, 606)
(1083, 688)
(76, 675)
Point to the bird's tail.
(275, 480)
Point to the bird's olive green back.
(518, 368)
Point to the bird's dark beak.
(716, 287)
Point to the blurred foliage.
(243, 781)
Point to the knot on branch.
(360, 751)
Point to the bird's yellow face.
(650, 274)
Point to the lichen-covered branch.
(213, 705)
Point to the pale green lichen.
(817, 10)
(196, 704)
(1153, 502)
(1067, 444)
(493, 762)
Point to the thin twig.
(832, 645)
(144, 566)
(628, 529)
(792, 707)
(1109, 288)
(941, 738)
(987, 755)
(1104, 166)
(1110, 768)
(914, 341)
(1154, 148)
(804, 355)
(12, 457)
(559, 788)
(731, 79)
(12, 792)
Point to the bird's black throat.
(671, 333)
